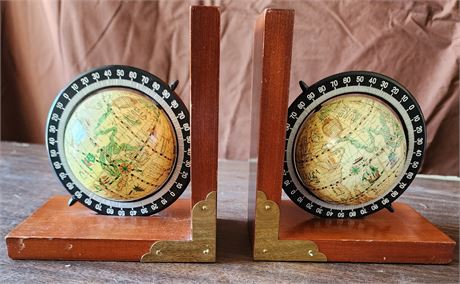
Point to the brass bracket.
(201, 247)
(268, 246)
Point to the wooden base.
(56, 231)
(400, 237)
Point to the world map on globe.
(120, 144)
(351, 150)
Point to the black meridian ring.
(122, 76)
(407, 106)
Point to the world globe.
(119, 144)
(351, 151)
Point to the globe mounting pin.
(303, 86)
(174, 85)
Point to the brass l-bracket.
(268, 246)
(202, 246)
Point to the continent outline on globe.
(129, 79)
(339, 160)
(364, 83)
(114, 166)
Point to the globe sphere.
(119, 144)
(352, 150)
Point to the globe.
(351, 151)
(119, 144)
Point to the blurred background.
(45, 44)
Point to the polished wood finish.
(26, 182)
(204, 95)
(400, 237)
(270, 89)
(56, 231)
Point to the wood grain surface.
(56, 231)
(270, 93)
(204, 96)
(403, 236)
(26, 182)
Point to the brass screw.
(204, 207)
(206, 251)
(311, 253)
(267, 207)
(158, 252)
(265, 250)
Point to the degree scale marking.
(304, 105)
(176, 112)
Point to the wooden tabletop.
(26, 182)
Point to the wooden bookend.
(183, 232)
(271, 75)
(280, 231)
(204, 94)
